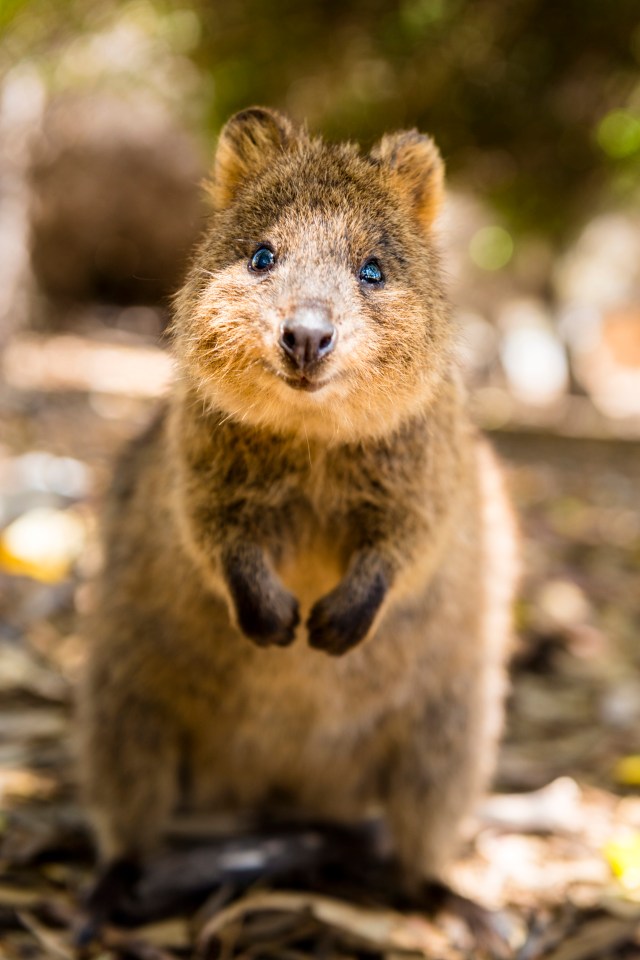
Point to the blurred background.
(108, 117)
(109, 112)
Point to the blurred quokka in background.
(309, 555)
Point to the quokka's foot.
(113, 888)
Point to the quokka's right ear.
(248, 142)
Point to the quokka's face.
(315, 305)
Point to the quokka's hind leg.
(438, 771)
(129, 773)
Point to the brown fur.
(366, 517)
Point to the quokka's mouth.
(306, 384)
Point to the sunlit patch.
(534, 363)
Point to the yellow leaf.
(627, 771)
(622, 853)
(42, 544)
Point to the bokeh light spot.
(491, 248)
(618, 134)
(419, 14)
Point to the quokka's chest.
(313, 560)
(313, 535)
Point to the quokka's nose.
(308, 335)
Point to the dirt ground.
(556, 849)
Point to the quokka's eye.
(262, 260)
(371, 273)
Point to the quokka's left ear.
(247, 143)
(416, 166)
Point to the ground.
(555, 850)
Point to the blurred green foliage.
(535, 103)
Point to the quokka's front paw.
(269, 619)
(265, 612)
(344, 617)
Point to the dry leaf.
(378, 929)
(597, 938)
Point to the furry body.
(345, 518)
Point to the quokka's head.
(314, 304)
